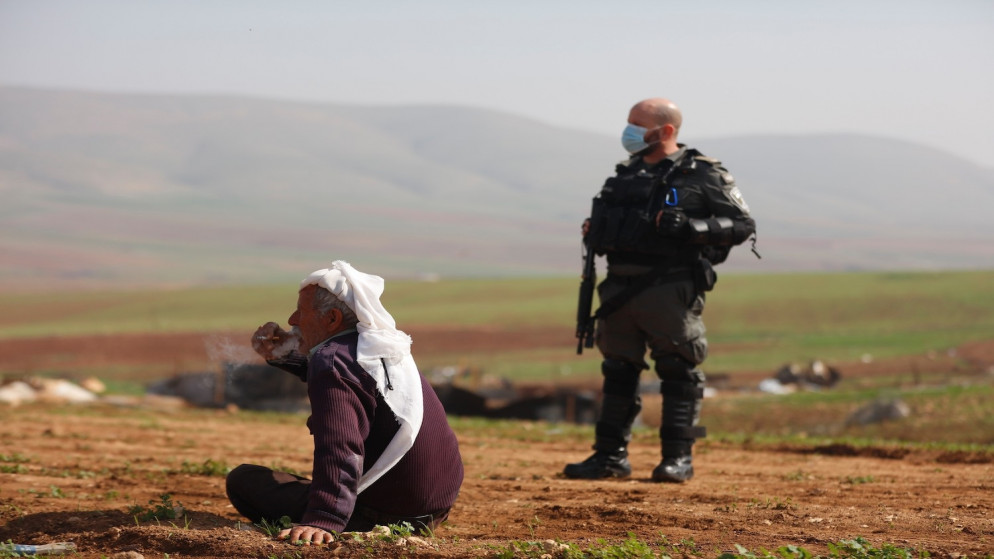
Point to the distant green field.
(754, 321)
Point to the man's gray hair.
(325, 300)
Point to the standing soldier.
(663, 220)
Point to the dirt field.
(72, 473)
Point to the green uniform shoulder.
(700, 157)
(711, 165)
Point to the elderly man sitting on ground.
(383, 450)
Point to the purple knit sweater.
(352, 425)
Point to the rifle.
(585, 321)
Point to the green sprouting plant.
(56, 491)
(54, 473)
(13, 463)
(631, 548)
(782, 552)
(858, 480)
(402, 530)
(427, 531)
(7, 550)
(535, 550)
(209, 467)
(798, 475)
(164, 509)
(689, 545)
(858, 548)
(273, 529)
(532, 524)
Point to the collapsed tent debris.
(536, 403)
(792, 377)
(245, 386)
(466, 391)
(267, 388)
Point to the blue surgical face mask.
(633, 138)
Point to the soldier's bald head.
(659, 112)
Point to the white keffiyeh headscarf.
(384, 352)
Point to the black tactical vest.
(622, 217)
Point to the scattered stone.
(553, 546)
(879, 411)
(379, 531)
(774, 386)
(16, 393)
(61, 391)
(55, 391)
(419, 541)
(93, 384)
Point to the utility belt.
(655, 276)
(701, 273)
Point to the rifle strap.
(638, 284)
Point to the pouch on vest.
(704, 275)
(715, 254)
(619, 219)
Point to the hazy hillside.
(126, 188)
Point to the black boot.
(677, 465)
(613, 431)
(601, 464)
(681, 411)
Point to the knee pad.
(621, 378)
(673, 368)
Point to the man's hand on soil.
(307, 535)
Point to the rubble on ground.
(241, 386)
(467, 392)
(50, 390)
(793, 377)
(234, 386)
(878, 411)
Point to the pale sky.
(915, 70)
